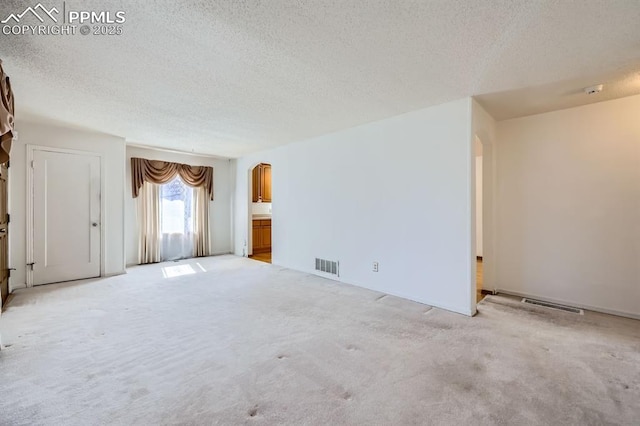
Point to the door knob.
(94, 224)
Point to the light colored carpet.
(251, 343)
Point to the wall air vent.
(329, 266)
(553, 306)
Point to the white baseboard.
(454, 309)
(114, 274)
(13, 288)
(221, 253)
(568, 303)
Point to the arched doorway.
(260, 190)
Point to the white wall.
(397, 191)
(113, 150)
(569, 206)
(220, 208)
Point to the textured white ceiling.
(231, 77)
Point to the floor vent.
(329, 266)
(553, 306)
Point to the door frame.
(249, 241)
(247, 250)
(489, 213)
(30, 153)
(8, 253)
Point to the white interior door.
(66, 216)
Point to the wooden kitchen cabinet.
(266, 235)
(257, 236)
(261, 235)
(255, 179)
(266, 183)
(261, 178)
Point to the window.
(176, 219)
(176, 207)
(173, 216)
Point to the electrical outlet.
(375, 266)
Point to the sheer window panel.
(176, 212)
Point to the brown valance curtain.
(160, 172)
(6, 116)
